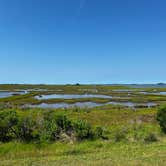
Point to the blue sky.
(86, 41)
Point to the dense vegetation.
(47, 127)
(49, 137)
(57, 137)
(161, 117)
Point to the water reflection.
(4, 94)
(92, 105)
(71, 96)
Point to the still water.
(91, 105)
(71, 96)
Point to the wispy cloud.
(82, 5)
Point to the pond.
(153, 93)
(131, 104)
(71, 96)
(123, 90)
(4, 94)
(66, 105)
(162, 93)
(91, 105)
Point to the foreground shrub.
(63, 122)
(151, 137)
(8, 122)
(161, 118)
(28, 129)
(50, 130)
(120, 135)
(84, 130)
(47, 127)
(99, 132)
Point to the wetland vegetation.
(51, 94)
(102, 134)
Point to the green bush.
(49, 131)
(63, 122)
(161, 118)
(8, 122)
(98, 132)
(151, 137)
(47, 127)
(82, 130)
(121, 135)
(28, 129)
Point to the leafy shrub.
(28, 129)
(98, 132)
(60, 120)
(120, 135)
(161, 118)
(63, 122)
(8, 122)
(84, 130)
(151, 137)
(50, 131)
(48, 127)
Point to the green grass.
(84, 154)
(131, 150)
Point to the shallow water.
(90, 105)
(147, 85)
(131, 104)
(71, 96)
(123, 90)
(153, 93)
(66, 105)
(162, 93)
(4, 94)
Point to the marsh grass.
(131, 133)
(133, 96)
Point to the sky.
(85, 41)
